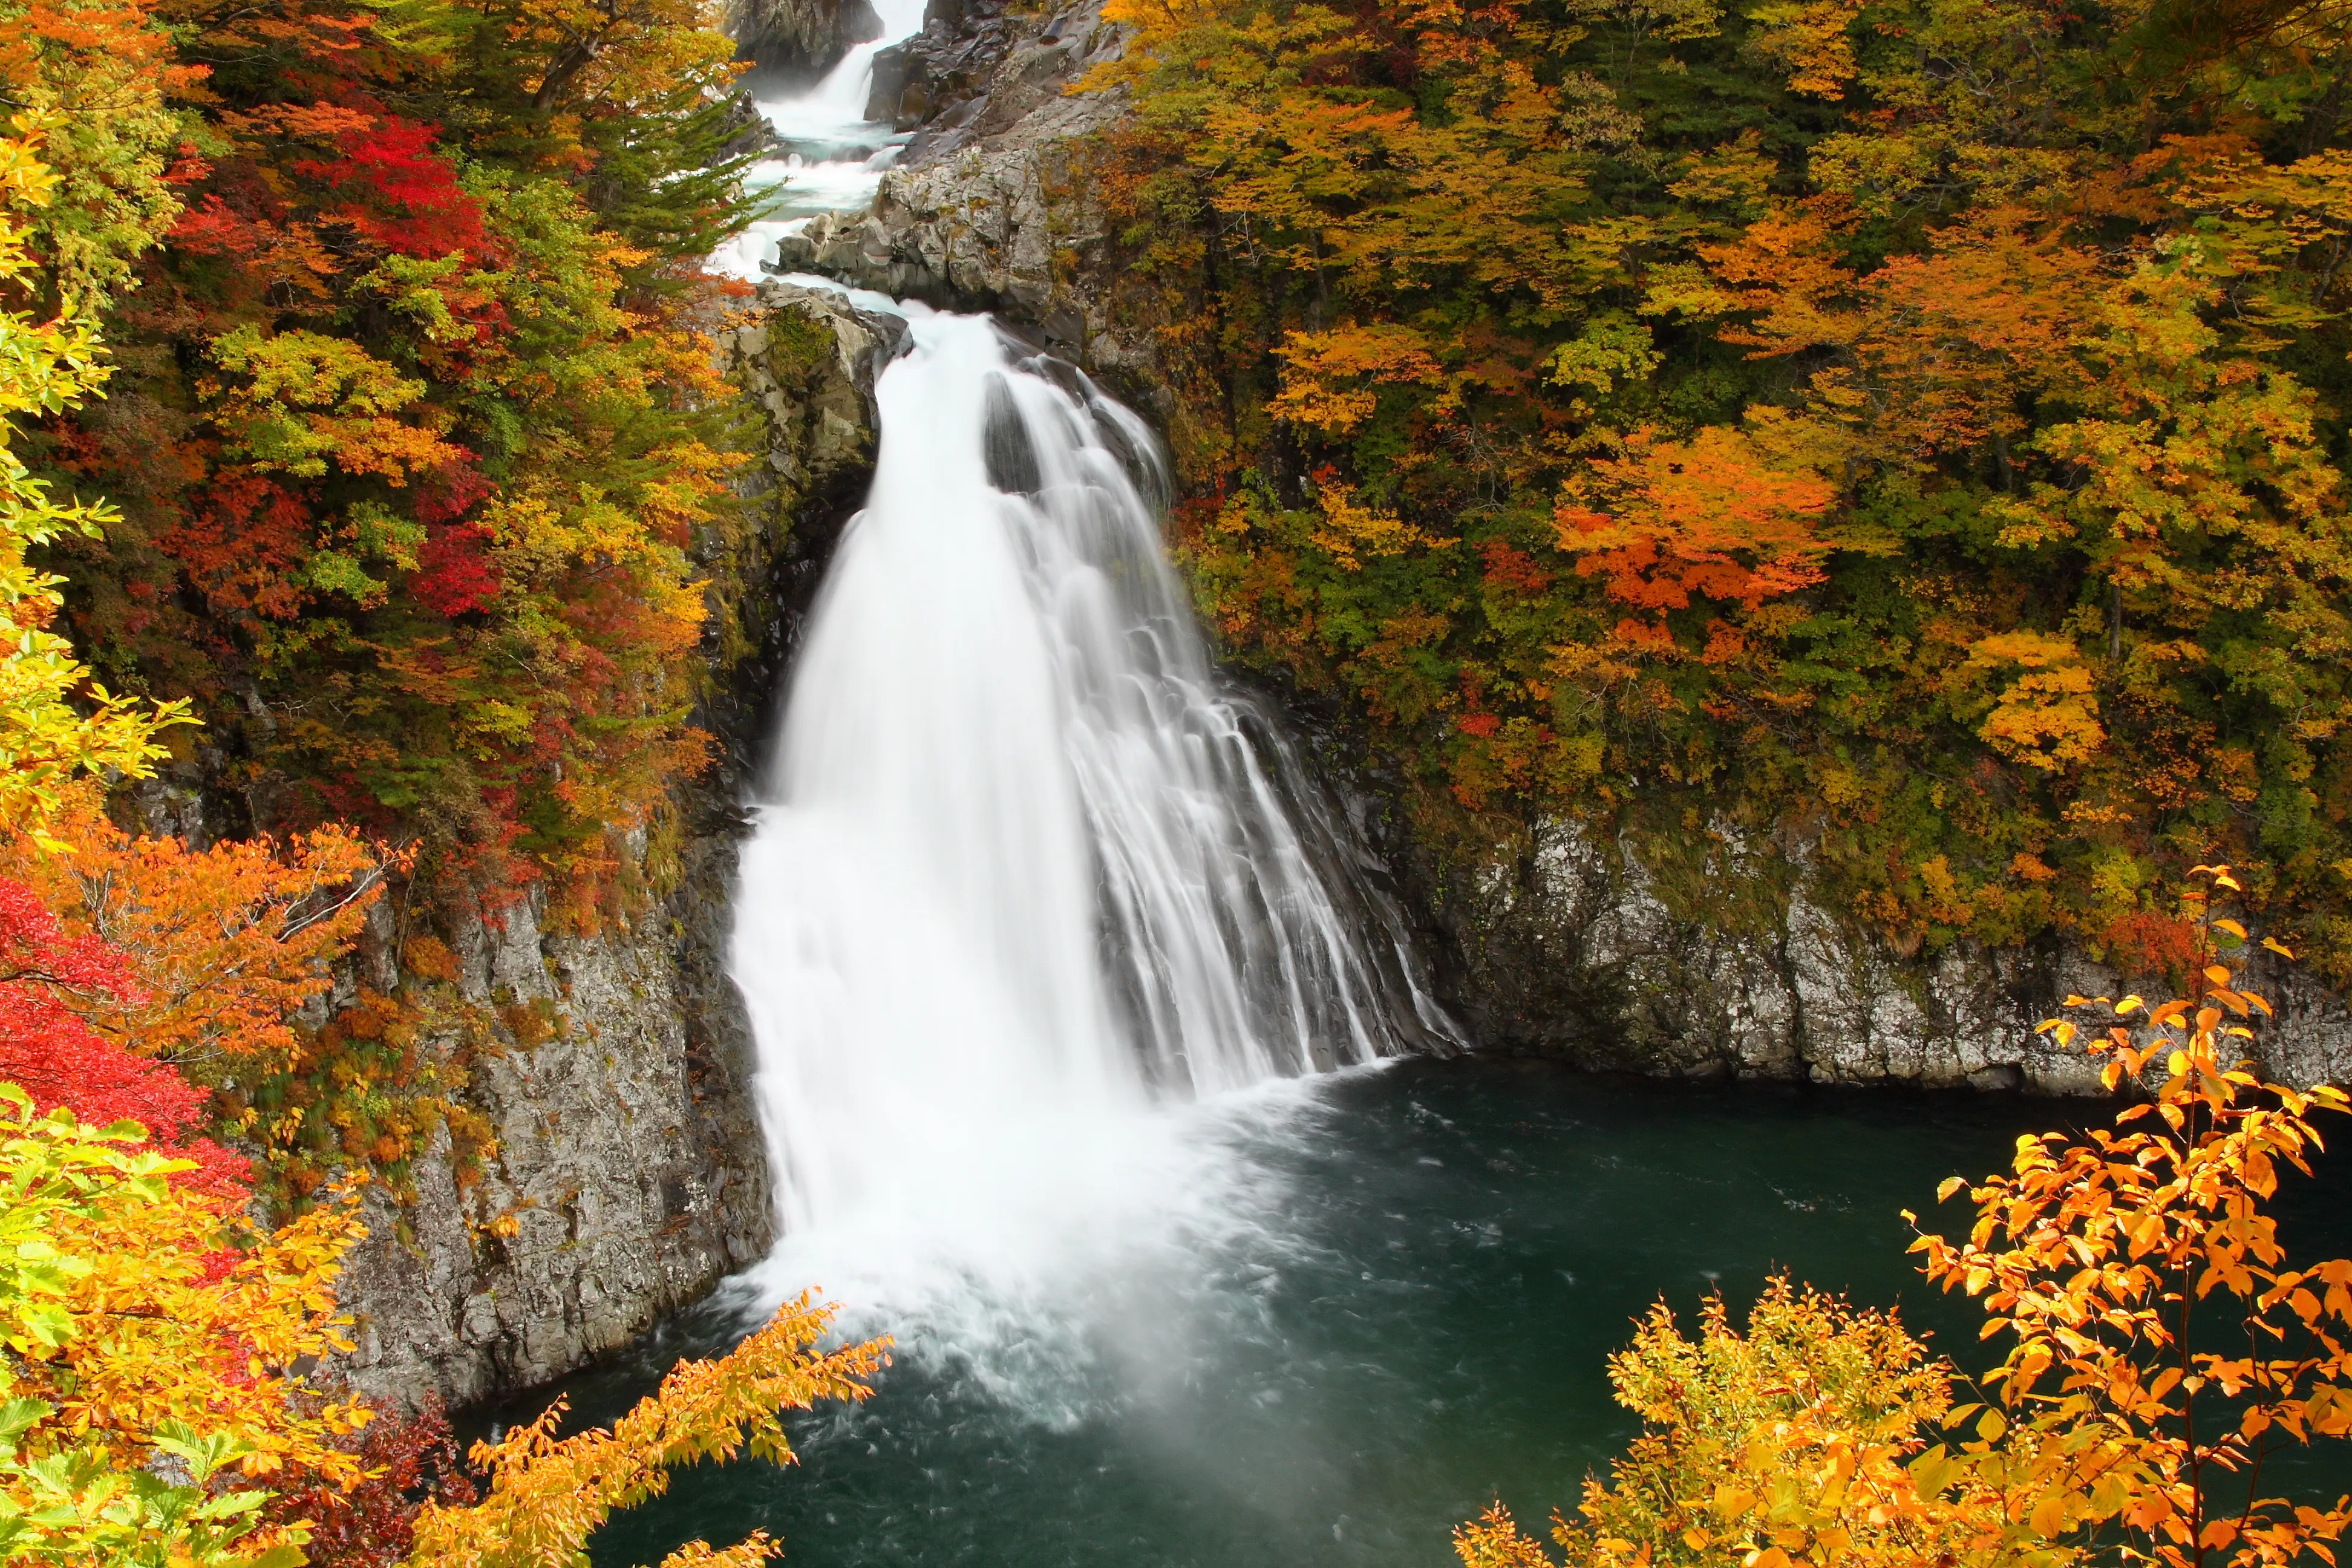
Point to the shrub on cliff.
(1914, 427)
(2161, 1345)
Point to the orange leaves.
(1493, 1541)
(1931, 351)
(548, 1494)
(1314, 363)
(227, 942)
(1808, 39)
(2092, 1249)
(1708, 519)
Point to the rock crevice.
(613, 1070)
(1574, 947)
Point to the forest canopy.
(1910, 432)
(412, 419)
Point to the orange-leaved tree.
(228, 942)
(215, 955)
(548, 1493)
(159, 1371)
(2162, 1347)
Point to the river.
(1416, 1319)
(1092, 1058)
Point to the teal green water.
(1416, 1323)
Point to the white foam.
(1030, 927)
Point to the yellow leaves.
(1611, 349)
(547, 1494)
(2048, 716)
(304, 399)
(1314, 362)
(153, 1331)
(1348, 530)
(1808, 39)
(1673, 20)
(1801, 1440)
(1736, 175)
(55, 721)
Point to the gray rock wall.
(629, 1174)
(1570, 948)
(613, 1070)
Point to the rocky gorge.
(631, 1175)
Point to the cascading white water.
(1027, 867)
(833, 157)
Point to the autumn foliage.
(1913, 427)
(546, 1493)
(2159, 1344)
(404, 486)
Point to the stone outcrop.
(802, 38)
(1572, 948)
(613, 1070)
(807, 362)
(989, 209)
(629, 1174)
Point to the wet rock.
(614, 1069)
(799, 38)
(990, 206)
(749, 132)
(1572, 947)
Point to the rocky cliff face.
(799, 38)
(988, 208)
(1568, 945)
(1722, 963)
(613, 1070)
(629, 1174)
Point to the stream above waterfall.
(1416, 1316)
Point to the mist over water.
(1040, 918)
(1399, 1301)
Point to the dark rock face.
(1570, 946)
(749, 132)
(630, 1172)
(951, 63)
(799, 38)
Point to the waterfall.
(1027, 865)
(832, 158)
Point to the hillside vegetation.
(1912, 430)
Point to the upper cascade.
(1026, 856)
